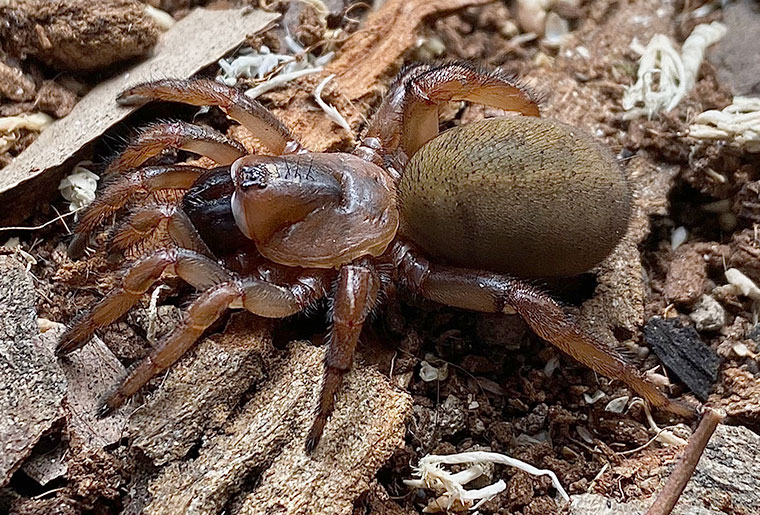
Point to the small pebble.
(708, 314)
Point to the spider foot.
(104, 408)
(315, 434)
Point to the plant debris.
(684, 353)
(35, 174)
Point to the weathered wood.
(31, 383)
(196, 41)
(258, 463)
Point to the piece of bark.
(31, 383)
(684, 353)
(47, 466)
(618, 301)
(369, 55)
(33, 177)
(77, 35)
(92, 372)
(200, 392)
(686, 277)
(264, 446)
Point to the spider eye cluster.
(256, 176)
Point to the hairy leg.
(165, 218)
(496, 293)
(408, 116)
(259, 297)
(136, 183)
(197, 269)
(205, 92)
(158, 137)
(355, 296)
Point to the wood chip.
(92, 372)
(31, 383)
(33, 176)
(200, 392)
(258, 463)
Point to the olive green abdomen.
(526, 196)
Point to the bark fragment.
(31, 383)
(200, 392)
(264, 446)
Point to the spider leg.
(144, 223)
(259, 297)
(197, 269)
(355, 296)
(140, 181)
(122, 190)
(205, 92)
(409, 114)
(497, 293)
(156, 138)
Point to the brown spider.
(491, 203)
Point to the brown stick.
(685, 467)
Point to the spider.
(465, 218)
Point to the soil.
(501, 391)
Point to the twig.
(684, 469)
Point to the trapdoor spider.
(461, 218)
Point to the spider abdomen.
(526, 196)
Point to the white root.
(450, 487)
(662, 435)
(430, 371)
(738, 124)
(272, 69)
(10, 125)
(153, 314)
(330, 110)
(743, 284)
(278, 81)
(162, 19)
(678, 237)
(665, 77)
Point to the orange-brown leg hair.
(355, 296)
(259, 297)
(144, 223)
(409, 113)
(157, 138)
(496, 293)
(197, 269)
(207, 92)
(136, 184)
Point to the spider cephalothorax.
(460, 218)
